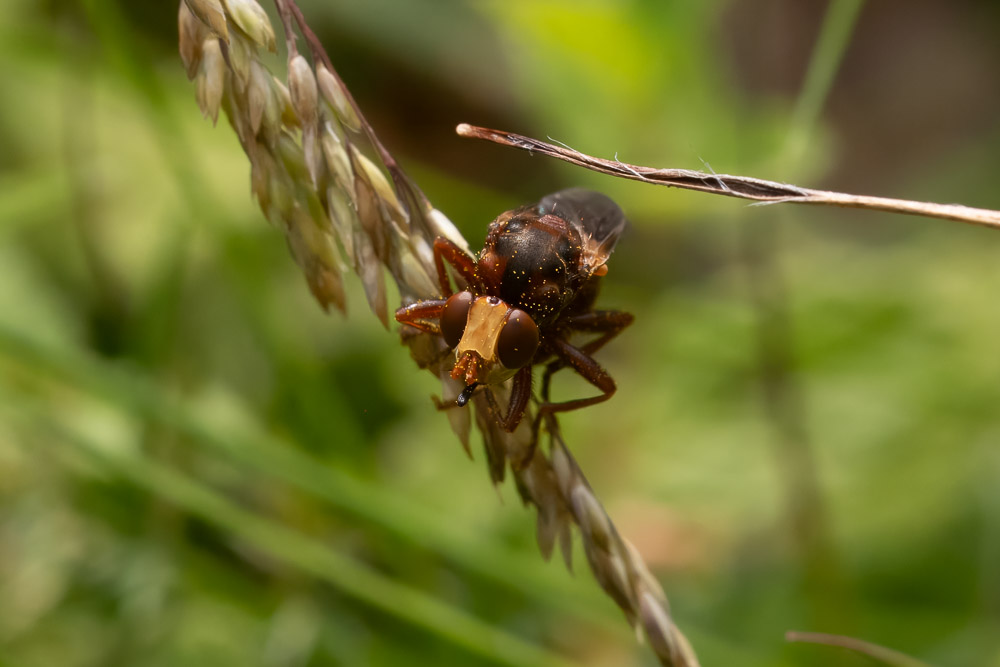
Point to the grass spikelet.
(334, 95)
(252, 20)
(191, 34)
(210, 79)
(260, 98)
(211, 14)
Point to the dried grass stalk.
(321, 175)
(741, 187)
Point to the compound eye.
(518, 340)
(454, 316)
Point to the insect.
(533, 286)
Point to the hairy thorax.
(531, 263)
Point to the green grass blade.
(377, 504)
(345, 574)
(835, 35)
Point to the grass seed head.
(414, 278)
(288, 117)
(442, 226)
(380, 185)
(337, 160)
(211, 14)
(191, 34)
(291, 156)
(313, 181)
(343, 220)
(259, 95)
(211, 79)
(261, 170)
(241, 54)
(334, 94)
(302, 88)
(314, 251)
(252, 20)
(372, 277)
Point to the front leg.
(423, 315)
(445, 250)
(520, 393)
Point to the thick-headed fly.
(532, 287)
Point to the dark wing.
(598, 219)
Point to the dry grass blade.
(741, 187)
(884, 655)
(321, 175)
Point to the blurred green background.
(198, 467)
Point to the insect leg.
(609, 323)
(423, 315)
(464, 265)
(589, 370)
(580, 361)
(520, 393)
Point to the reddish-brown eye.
(518, 339)
(454, 317)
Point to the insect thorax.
(532, 263)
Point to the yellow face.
(492, 340)
(487, 317)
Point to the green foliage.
(198, 467)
